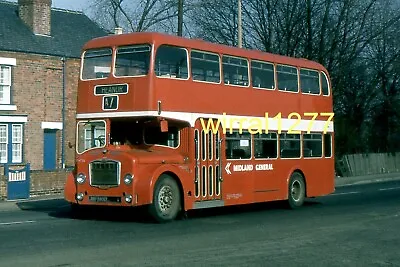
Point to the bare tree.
(354, 39)
(134, 15)
(383, 57)
(216, 21)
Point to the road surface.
(358, 225)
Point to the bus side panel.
(320, 176)
(237, 187)
(70, 188)
(269, 180)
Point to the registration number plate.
(98, 198)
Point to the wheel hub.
(165, 198)
(296, 190)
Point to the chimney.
(118, 30)
(36, 14)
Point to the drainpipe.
(63, 112)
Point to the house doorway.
(50, 149)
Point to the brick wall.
(42, 183)
(71, 95)
(3, 192)
(37, 92)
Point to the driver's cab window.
(90, 134)
(98, 133)
(154, 136)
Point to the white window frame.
(9, 63)
(5, 83)
(20, 142)
(6, 143)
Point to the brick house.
(40, 51)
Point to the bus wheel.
(166, 200)
(297, 191)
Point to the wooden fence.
(364, 164)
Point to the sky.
(77, 5)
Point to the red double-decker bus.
(178, 124)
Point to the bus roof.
(198, 44)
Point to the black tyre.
(166, 204)
(296, 191)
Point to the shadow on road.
(58, 208)
(45, 205)
(276, 206)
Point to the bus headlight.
(128, 198)
(128, 179)
(81, 178)
(79, 196)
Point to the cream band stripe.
(293, 124)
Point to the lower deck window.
(328, 145)
(312, 145)
(266, 146)
(290, 145)
(238, 146)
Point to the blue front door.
(49, 155)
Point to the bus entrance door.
(208, 174)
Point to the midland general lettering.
(250, 167)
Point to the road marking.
(12, 223)
(346, 193)
(391, 188)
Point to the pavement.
(366, 179)
(340, 182)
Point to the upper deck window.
(132, 60)
(235, 71)
(96, 64)
(325, 84)
(205, 67)
(309, 81)
(287, 78)
(171, 62)
(262, 75)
